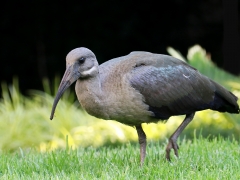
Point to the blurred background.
(37, 35)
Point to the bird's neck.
(90, 95)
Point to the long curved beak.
(70, 76)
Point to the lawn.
(33, 147)
(212, 158)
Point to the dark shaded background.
(37, 35)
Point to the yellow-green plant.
(24, 120)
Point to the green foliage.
(24, 121)
(198, 159)
(199, 59)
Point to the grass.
(201, 158)
(33, 147)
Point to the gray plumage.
(142, 87)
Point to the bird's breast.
(125, 104)
(117, 101)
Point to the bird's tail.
(224, 100)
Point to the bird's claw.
(172, 144)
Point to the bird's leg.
(172, 143)
(142, 142)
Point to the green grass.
(199, 159)
(33, 147)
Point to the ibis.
(142, 87)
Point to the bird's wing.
(172, 87)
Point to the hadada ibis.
(142, 87)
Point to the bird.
(142, 87)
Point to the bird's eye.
(81, 60)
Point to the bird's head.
(81, 63)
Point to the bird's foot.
(172, 144)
